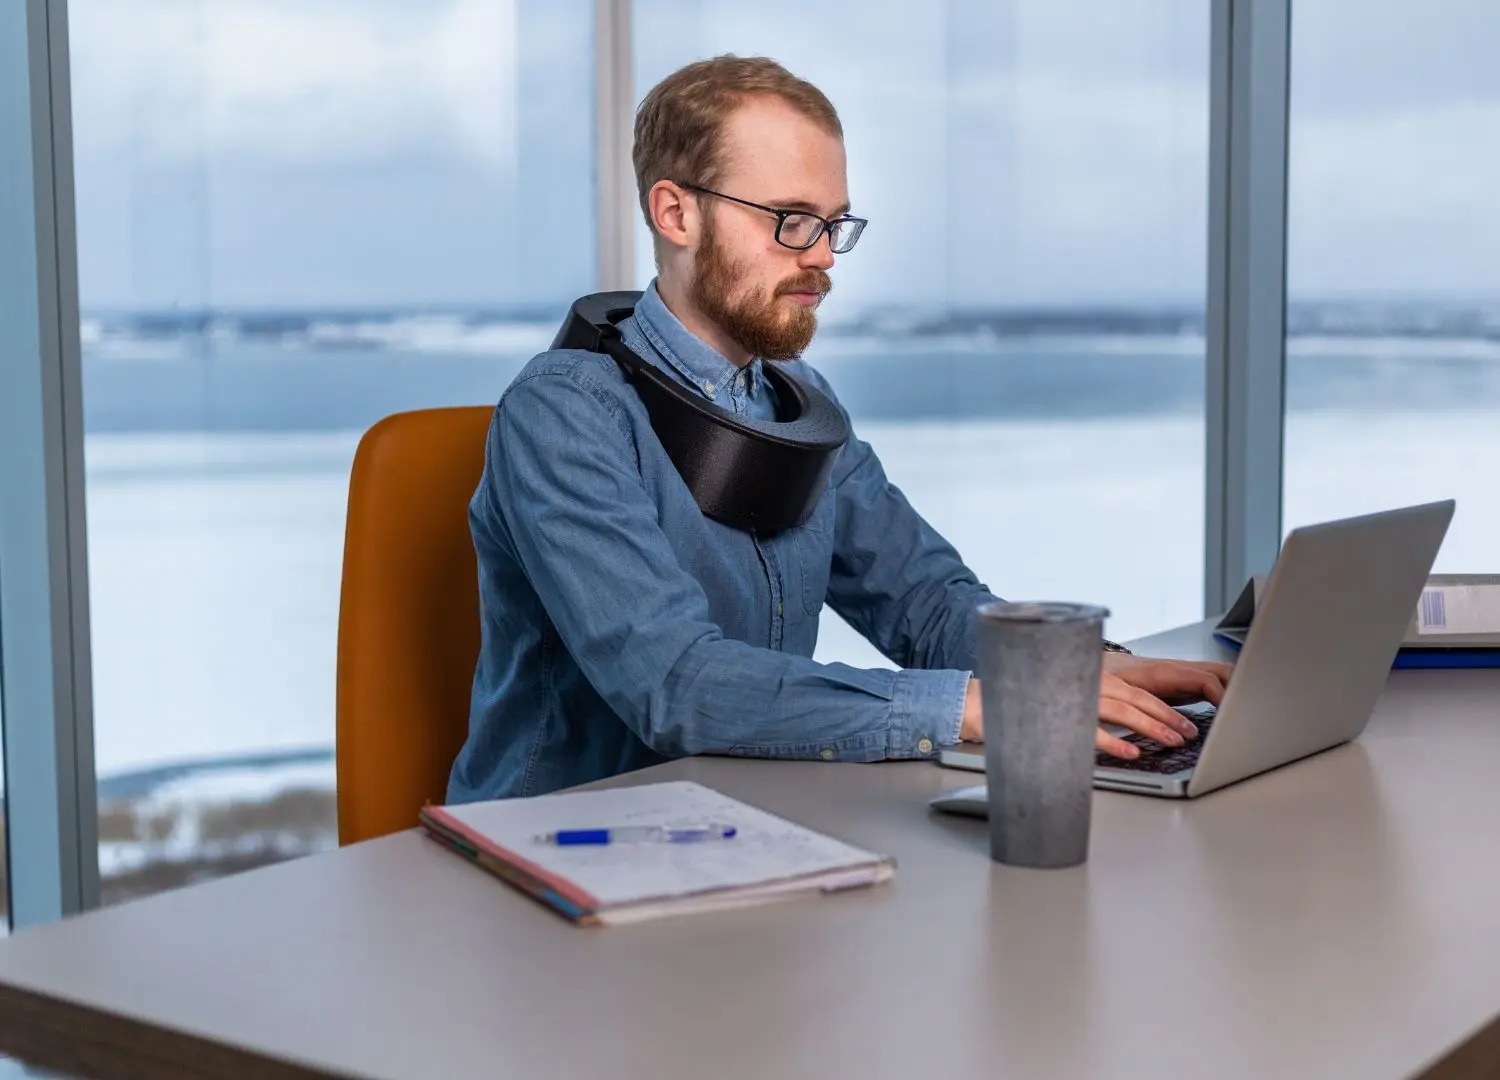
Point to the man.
(622, 627)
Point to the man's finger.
(1180, 680)
(1116, 711)
(1210, 687)
(1149, 704)
(1219, 670)
(1108, 743)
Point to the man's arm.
(898, 582)
(894, 578)
(562, 472)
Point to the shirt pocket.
(814, 541)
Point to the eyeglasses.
(799, 229)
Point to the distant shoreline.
(1413, 318)
(316, 379)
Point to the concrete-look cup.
(1039, 670)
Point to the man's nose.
(817, 257)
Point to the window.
(293, 219)
(1020, 332)
(1393, 325)
(5, 876)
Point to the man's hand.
(972, 728)
(1138, 692)
(1134, 692)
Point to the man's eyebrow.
(803, 204)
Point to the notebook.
(1456, 622)
(769, 858)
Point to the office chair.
(408, 635)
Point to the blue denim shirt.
(622, 628)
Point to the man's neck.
(676, 299)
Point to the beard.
(756, 322)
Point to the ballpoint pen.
(632, 833)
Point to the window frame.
(45, 680)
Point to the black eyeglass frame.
(825, 224)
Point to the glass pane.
(293, 220)
(798, 227)
(4, 832)
(1019, 333)
(1393, 276)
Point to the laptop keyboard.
(1156, 758)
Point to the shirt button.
(924, 746)
(709, 388)
(826, 753)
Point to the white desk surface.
(1339, 917)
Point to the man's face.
(762, 295)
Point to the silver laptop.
(1335, 609)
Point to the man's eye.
(798, 228)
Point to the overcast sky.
(374, 152)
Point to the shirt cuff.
(927, 712)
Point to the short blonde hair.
(680, 124)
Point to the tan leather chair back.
(408, 634)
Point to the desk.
(1334, 918)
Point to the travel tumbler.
(1039, 670)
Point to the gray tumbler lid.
(1041, 611)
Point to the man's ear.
(674, 214)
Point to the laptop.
(1336, 606)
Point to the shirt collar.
(698, 363)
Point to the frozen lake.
(215, 557)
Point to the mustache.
(812, 281)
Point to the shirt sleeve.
(894, 578)
(562, 471)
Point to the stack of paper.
(767, 858)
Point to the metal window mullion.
(51, 808)
(614, 112)
(1245, 320)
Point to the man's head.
(750, 130)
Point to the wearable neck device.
(762, 476)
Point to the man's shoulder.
(578, 366)
(569, 373)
